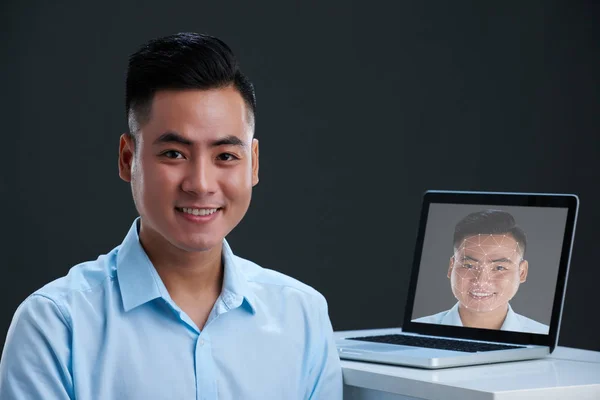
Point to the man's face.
(193, 168)
(486, 270)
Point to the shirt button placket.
(205, 371)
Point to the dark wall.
(361, 108)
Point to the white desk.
(566, 374)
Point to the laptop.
(488, 281)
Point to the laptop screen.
(489, 266)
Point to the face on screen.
(486, 270)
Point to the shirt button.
(201, 342)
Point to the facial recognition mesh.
(492, 271)
(486, 271)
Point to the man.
(172, 313)
(485, 272)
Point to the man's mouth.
(481, 295)
(197, 211)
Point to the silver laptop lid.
(491, 266)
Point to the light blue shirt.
(512, 322)
(109, 330)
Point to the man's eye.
(468, 266)
(500, 268)
(226, 157)
(172, 154)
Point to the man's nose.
(200, 178)
(483, 273)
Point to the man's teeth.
(478, 294)
(199, 211)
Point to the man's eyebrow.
(503, 259)
(469, 258)
(230, 140)
(172, 137)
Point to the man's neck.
(193, 279)
(488, 320)
(192, 274)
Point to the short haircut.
(181, 61)
(493, 222)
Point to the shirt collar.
(452, 317)
(140, 283)
(236, 290)
(511, 322)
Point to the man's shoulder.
(531, 325)
(85, 277)
(57, 300)
(272, 279)
(432, 319)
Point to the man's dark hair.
(494, 222)
(181, 61)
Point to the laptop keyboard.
(436, 343)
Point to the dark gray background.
(544, 228)
(362, 106)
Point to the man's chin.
(200, 246)
(479, 308)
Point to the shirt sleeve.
(325, 373)
(35, 361)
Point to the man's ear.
(450, 266)
(126, 156)
(523, 269)
(254, 161)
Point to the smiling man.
(485, 272)
(172, 313)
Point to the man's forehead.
(489, 251)
(489, 240)
(489, 245)
(219, 111)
